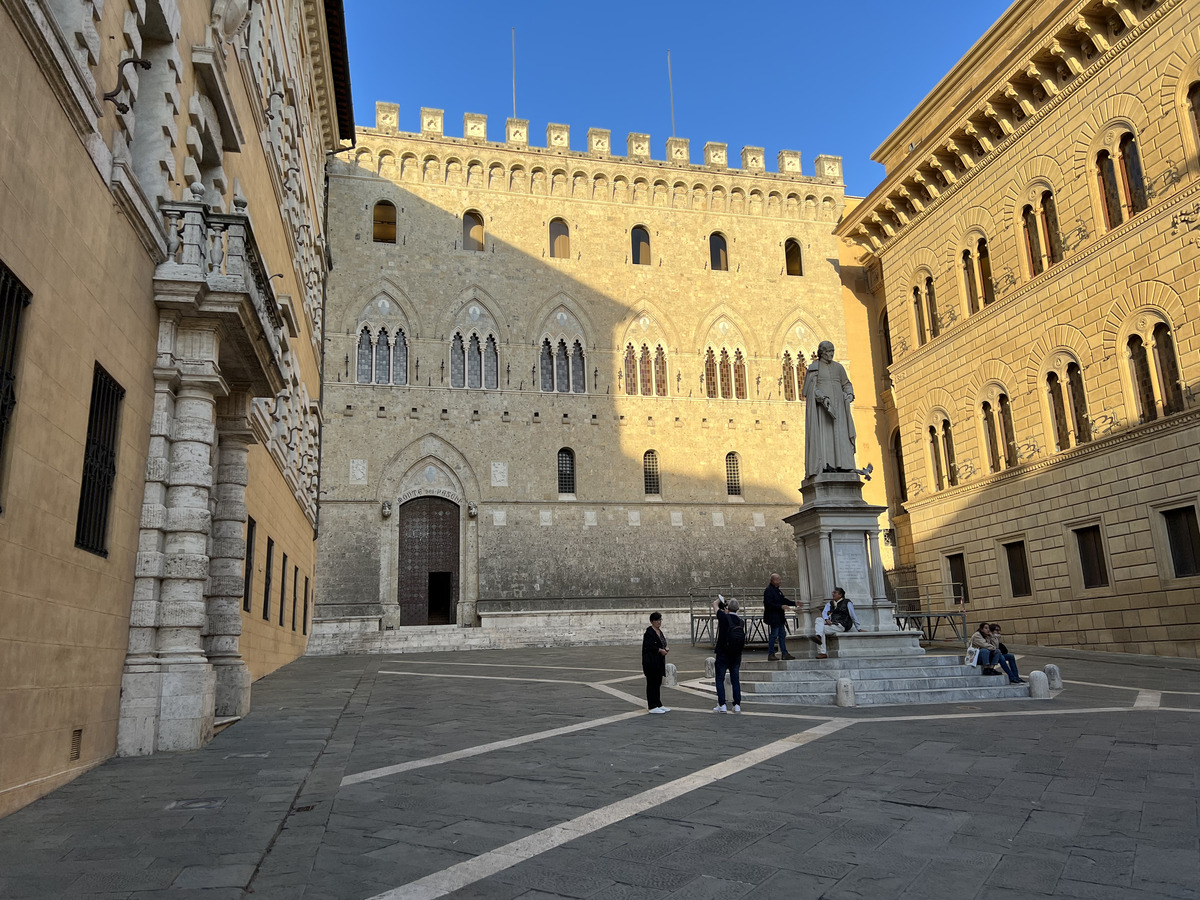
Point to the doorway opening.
(428, 561)
(441, 598)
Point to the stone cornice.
(1177, 422)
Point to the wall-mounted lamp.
(111, 96)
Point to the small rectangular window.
(295, 593)
(248, 571)
(1018, 569)
(14, 297)
(267, 580)
(99, 463)
(283, 591)
(1091, 556)
(1183, 533)
(958, 576)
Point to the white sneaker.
(659, 709)
(665, 708)
(720, 708)
(737, 707)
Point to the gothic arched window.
(639, 239)
(660, 371)
(631, 375)
(789, 378)
(400, 358)
(491, 364)
(474, 363)
(458, 362)
(726, 376)
(578, 370)
(472, 230)
(364, 361)
(562, 369)
(645, 372)
(740, 386)
(547, 366)
(718, 252)
(710, 374)
(383, 358)
(560, 239)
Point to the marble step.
(981, 682)
(794, 677)
(897, 698)
(858, 662)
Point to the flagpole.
(671, 90)
(514, 68)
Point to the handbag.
(972, 657)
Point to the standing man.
(837, 616)
(775, 618)
(731, 639)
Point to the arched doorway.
(428, 561)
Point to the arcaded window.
(1068, 405)
(733, 475)
(999, 436)
(578, 370)
(788, 378)
(1133, 180)
(458, 362)
(1110, 195)
(566, 471)
(491, 365)
(639, 240)
(985, 272)
(919, 316)
(898, 462)
(383, 358)
(710, 374)
(562, 369)
(792, 261)
(631, 375)
(560, 239)
(650, 473)
(400, 358)
(384, 223)
(718, 252)
(970, 281)
(740, 385)
(660, 371)
(941, 455)
(1033, 241)
(1154, 373)
(546, 362)
(726, 376)
(364, 361)
(472, 230)
(474, 363)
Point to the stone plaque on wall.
(358, 471)
(850, 570)
(546, 517)
(676, 517)
(589, 517)
(499, 474)
(635, 517)
(718, 520)
(499, 517)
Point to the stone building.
(162, 264)
(566, 381)
(1035, 254)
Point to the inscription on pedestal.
(850, 570)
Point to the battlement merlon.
(599, 144)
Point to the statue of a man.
(828, 425)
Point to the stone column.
(227, 565)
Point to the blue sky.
(824, 77)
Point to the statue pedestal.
(837, 539)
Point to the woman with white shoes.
(654, 663)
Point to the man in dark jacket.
(731, 638)
(775, 618)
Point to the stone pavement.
(537, 774)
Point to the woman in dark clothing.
(654, 663)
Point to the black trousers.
(653, 690)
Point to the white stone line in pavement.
(470, 871)
(1148, 700)
(372, 774)
(604, 687)
(435, 662)
(1126, 687)
(623, 678)
(993, 713)
(482, 677)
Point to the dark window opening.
(248, 569)
(650, 473)
(958, 577)
(733, 475)
(267, 580)
(1131, 175)
(1018, 569)
(384, 223)
(1183, 533)
(566, 471)
(718, 252)
(1091, 557)
(640, 246)
(283, 591)
(792, 259)
(14, 297)
(1110, 198)
(99, 463)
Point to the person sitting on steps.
(989, 654)
(1008, 662)
(837, 616)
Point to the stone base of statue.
(837, 539)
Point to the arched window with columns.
(645, 372)
(1000, 439)
(364, 362)
(1120, 180)
(1040, 234)
(1066, 402)
(400, 358)
(1154, 379)
(710, 374)
(383, 358)
(661, 388)
(631, 373)
(941, 452)
(788, 377)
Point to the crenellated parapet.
(597, 174)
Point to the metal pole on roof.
(671, 90)
(514, 62)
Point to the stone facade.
(519, 272)
(1035, 243)
(167, 235)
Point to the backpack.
(735, 636)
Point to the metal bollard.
(1039, 686)
(845, 692)
(1054, 677)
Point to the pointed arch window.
(458, 362)
(740, 386)
(645, 372)
(639, 239)
(793, 263)
(562, 369)
(789, 378)
(383, 358)
(660, 371)
(364, 357)
(383, 223)
(726, 376)
(472, 231)
(733, 475)
(474, 363)
(566, 471)
(631, 376)
(547, 367)
(578, 370)
(400, 358)
(718, 252)
(491, 364)
(560, 239)
(710, 374)
(650, 477)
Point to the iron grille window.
(1018, 569)
(1091, 557)
(733, 475)
(566, 471)
(267, 580)
(99, 463)
(283, 591)
(14, 297)
(304, 621)
(650, 473)
(248, 574)
(295, 593)
(1183, 532)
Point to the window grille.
(99, 463)
(547, 363)
(562, 369)
(566, 471)
(650, 473)
(1183, 533)
(645, 373)
(660, 371)
(726, 376)
(789, 378)
(282, 590)
(384, 224)
(733, 475)
(400, 358)
(1091, 557)
(364, 357)
(710, 373)
(14, 297)
(578, 370)
(1018, 569)
(248, 570)
(267, 580)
